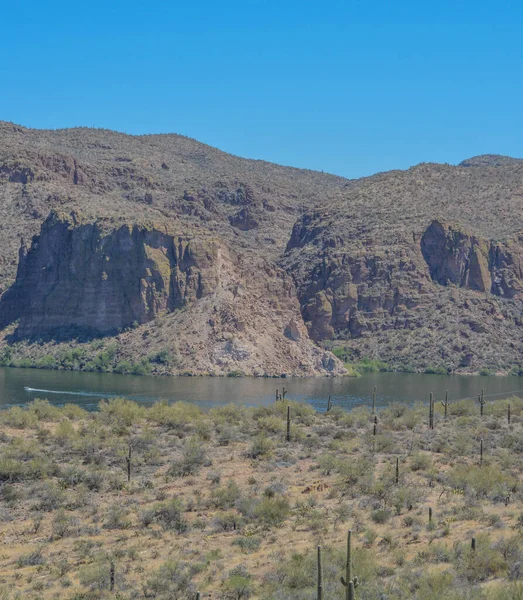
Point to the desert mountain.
(161, 252)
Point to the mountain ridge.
(350, 253)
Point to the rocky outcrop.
(222, 312)
(76, 277)
(455, 257)
(416, 267)
(468, 261)
(351, 286)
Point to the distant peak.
(489, 160)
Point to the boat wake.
(79, 393)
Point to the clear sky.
(350, 87)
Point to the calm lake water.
(20, 386)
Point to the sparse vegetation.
(221, 502)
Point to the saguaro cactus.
(397, 470)
(129, 459)
(288, 423)
(375, 425)
(446, 404)
(329, 403)
(508, 414)
(431, 411)
(320, 575)
(352, 594)
(481, 400)
(348, 581)
(283, 393)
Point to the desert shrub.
(47, 497)
(64, 432)
(483, 480)
(163, 357)
(226, 496)
(369, 365)
(294, 578)
(354, 470)
(120, 410)
(193, 457)
(420, 461)
(124, 367)
(328, 463)
(43, 410)
(31, 559)
(73, 411)
(179, 415)
(248, 544)
(272, 512)
(228, 521)
(482, 563)
(238, 585)
(261, 447)
(461, 408)
(11, 470)
(63, 524)
(170, 516)
(173, 580)
(380, 516)
(394, 410)
(94, 481)
(10, 493)
(146, 517)
(231, 414)
(116, 518)
(71, 477)
(383, 442)
(97, 575)
(271, 424)
(19, 418)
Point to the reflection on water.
(19, 386)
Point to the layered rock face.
(382, 294)
(466, 260)
(77, 278)
(96, 279)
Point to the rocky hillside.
(160, 253)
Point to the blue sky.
(351, 87)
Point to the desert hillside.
(161, 254)
(163, 501)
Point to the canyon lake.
(21, 386)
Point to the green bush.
(272, 512)
(248, 544)
(179, 415)
(170, 516)
(261, 447)
(380, 516)
(193, 457)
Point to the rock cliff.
(159, 246)
(77, 278)
(82, 279)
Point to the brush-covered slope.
(153, 246)
(421, 268)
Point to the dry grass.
(220, 502)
